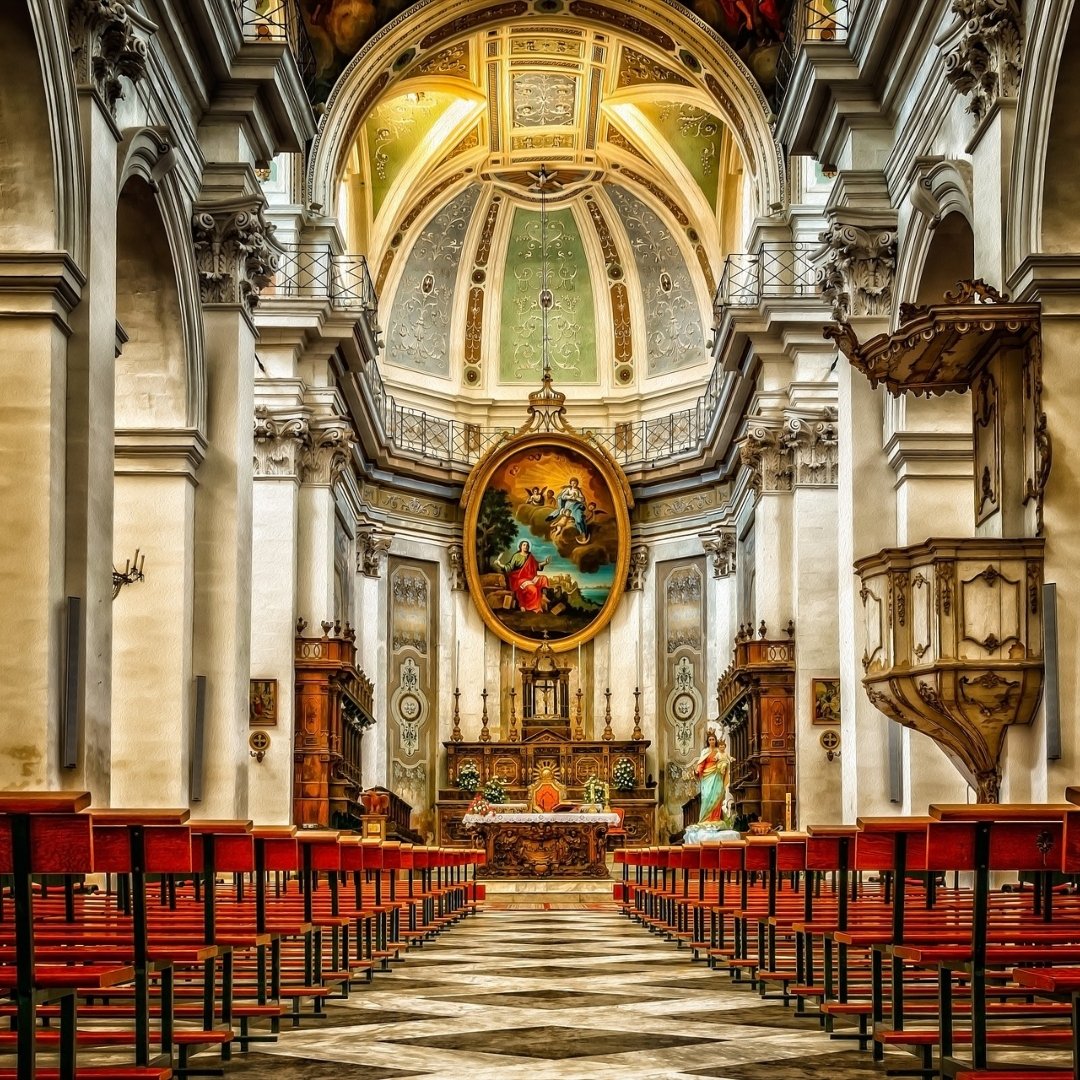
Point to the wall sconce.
(830, 742)
(133, 571)
(259, 742)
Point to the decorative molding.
(766, 453)
(235, 252)
(455, 557)
(813, 444)
(106, 48)
(279, 442)
(720, 546)
(327, 454)
(413, 506)
(371, 546)
(639, 565)
(856, 277)
(987, 63)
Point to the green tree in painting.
(496, 529)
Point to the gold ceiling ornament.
(954, 644)
(547, 524)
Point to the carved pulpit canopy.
(954, 644)
(942, 347)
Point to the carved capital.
(639, 564)
(856, 276)
(371, 546)
(327, 453)
(279, 442)
(720, 547)
(235, 252)
(987, 63)
(764, 452)
(813, 445)
(105, 47)
(455, 557)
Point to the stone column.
(372, 546)
(235, 260)
(279, 440)
(156, 480)
(37, 295)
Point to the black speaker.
(198, 728)
(72, 677)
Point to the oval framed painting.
(547, 540)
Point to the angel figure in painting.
(570, 508)
(713, 769)
(524, 577)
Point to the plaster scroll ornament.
(721, 550)
(639, 565)
(455, 558)
(987, 63)
(371, 546)
(814, 446)
(278, 442)
(327, 454)
(856, 276)
(235, 251)
(105, 47)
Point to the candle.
(579, 671)
(787, 811)
(456, 658)
(513, 659)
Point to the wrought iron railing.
(810, 21)
(775, 270)
(280, 20)
(314, 272)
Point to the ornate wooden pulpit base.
(542, 849)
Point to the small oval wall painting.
(550, 542)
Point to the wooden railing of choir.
(756, 697)
(333, 709)
(383, 803)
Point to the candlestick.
(579, 722)
(513, 733)
(787, 811)
(455, 735)
(608, 735)
(485, 735)
(638, 734)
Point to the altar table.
(560, 845)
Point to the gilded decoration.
(954, 649)
(547, 532)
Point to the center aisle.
(562, 995)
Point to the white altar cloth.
(570, 817)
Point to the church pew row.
(247, 924)
(896, 961)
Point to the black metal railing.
(280, 20)
(314, 272)
(810, 21)
(784, 270)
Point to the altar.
(535, 845)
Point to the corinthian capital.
(327, 453)
(856, 276)
(988, 61)
(813, 445)
(105, 47)
(371, 546)
(235, 251)
(768, 457)
(720, 545)
(279, 441)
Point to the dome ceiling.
(649, 195)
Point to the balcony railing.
(314, 272)
(811, 21)
(776, 270)
(280, 20)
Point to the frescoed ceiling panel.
(696, 137)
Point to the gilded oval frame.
(621, 501)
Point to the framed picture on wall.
(262, 703)
(826, 697)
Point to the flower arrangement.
(468, 776)
(624, 775)
(494, 791)
(596, 791)
(479, 806)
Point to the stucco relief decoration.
(279, 441)
(418, 330)
(768, 455)
(987, 63)
(543, 99)
(694, 123)
(327, 454)
(676, 336)
(455, 561)
(639, 565)
(410, 624)
(411, 783)
(105, 47)
(371, 546)
(394, 120)
(684, 592)
(813, 444)
(721, 547)
(856, 277)
(408, 705)
(234, 251)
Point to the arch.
(152, 376)
(146, 156)
(1051, 36)
(730, 86)
(1059, 228)
(950, 257)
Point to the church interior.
(586, 485)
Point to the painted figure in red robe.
(525, 579)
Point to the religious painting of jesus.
(549, 530)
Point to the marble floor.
(553, 995)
